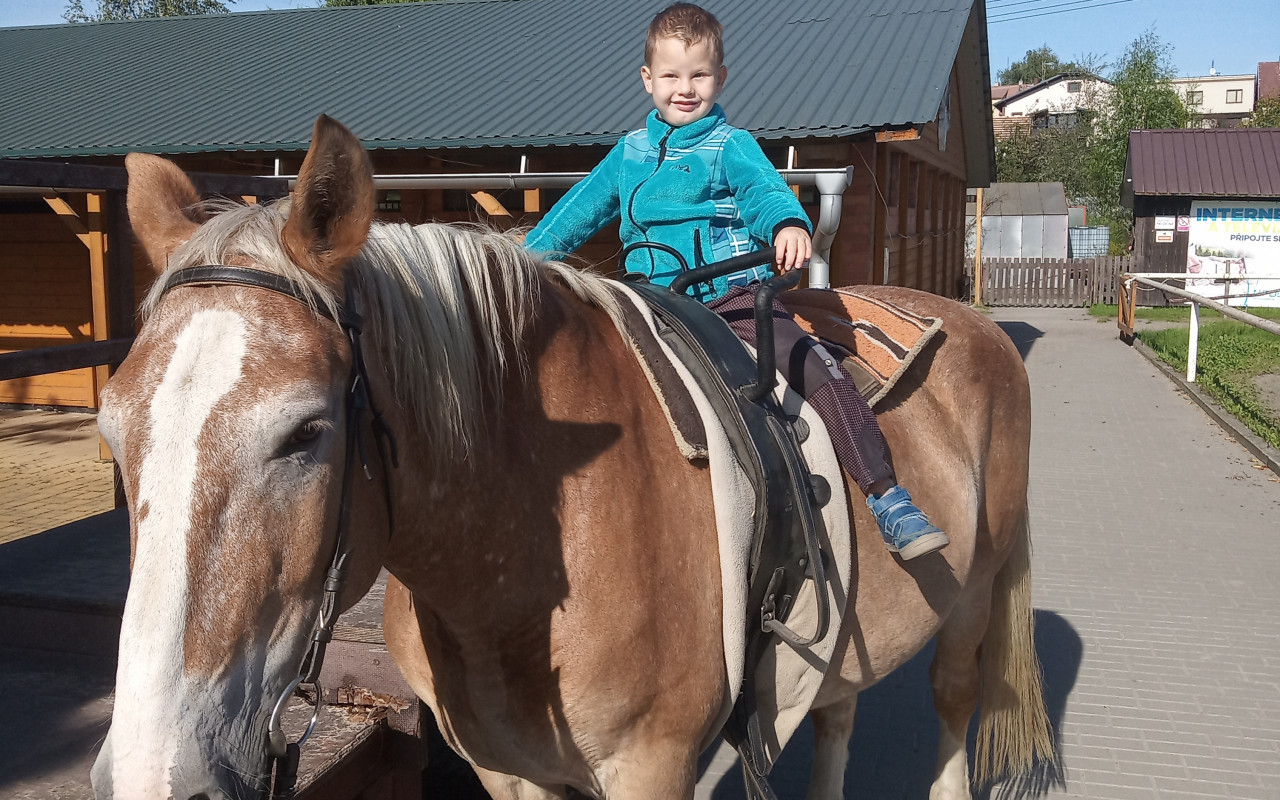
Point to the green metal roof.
(461, 73)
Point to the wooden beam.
(490, 204)
(903, 135)
(68, 216)
(533, 201)
(881, 216)
(46, 175)
(46, 360)
(122, 307)
(904, 203)
(949, 233)
(98, 297)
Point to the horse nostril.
(201, 796)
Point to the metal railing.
(1156, 280)
(830, 183)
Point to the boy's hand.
(794, 248)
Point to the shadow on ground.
(1024, 336)
(895, 738)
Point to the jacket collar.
(685, 135)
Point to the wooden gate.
(1059, 283)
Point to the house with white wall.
(1063, 94)
(1220, 101)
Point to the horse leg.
(955, 678)
(508, 787)
(664, 772)
(832, 728)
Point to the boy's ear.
(647, 76)
(722, 75)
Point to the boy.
(692, 182)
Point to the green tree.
(1266, 114)
(1141, 97)
(138, 9)
(1054, 154)
(1042, 63)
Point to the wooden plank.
(122, 307)
(904, 201)
(880, 203)
(902, 135)
(68, 216)
(26, 363)
(490, 204)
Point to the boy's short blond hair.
(688, 23)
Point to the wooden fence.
(1059, 283)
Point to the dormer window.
(1073, 87)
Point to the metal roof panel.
(1215, 162)
(458, 73)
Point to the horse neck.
(482, 536)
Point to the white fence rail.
(1156, 280)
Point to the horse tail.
(1014, 730)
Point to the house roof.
(1268, 79)
(471, 73)
(1044, 84)
(1213, 162)
(1025, 200)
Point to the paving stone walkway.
(49, 471)
(1157, 550)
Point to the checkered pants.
(812, 371)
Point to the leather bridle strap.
(283, 756)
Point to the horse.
(554, 594)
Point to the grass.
(1231, 354)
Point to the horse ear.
(333, 203)
(161, 202)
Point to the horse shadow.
(1024, 336)
(895, 736)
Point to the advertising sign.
(1164, 223)
(1239, 239)
(1164, 236)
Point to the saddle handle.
(766, 370)
(727, 267)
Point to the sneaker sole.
(926, 544)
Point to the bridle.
(281, 756)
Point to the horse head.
(228, 422)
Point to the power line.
(1013, 15)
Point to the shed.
(899, 89)
(1023, 220)
(1207, 201)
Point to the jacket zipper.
(631, 201)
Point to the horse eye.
(309, 431)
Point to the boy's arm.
(591, 204)
(765, 201)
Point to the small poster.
(1164, 236)
(1165, 223)
(1184, 223)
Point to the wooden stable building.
(898, 90)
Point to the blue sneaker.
(905, 528)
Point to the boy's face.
(683, 81)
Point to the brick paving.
(49, 471)
(1155, 564)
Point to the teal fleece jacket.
(705, 189)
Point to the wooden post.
(97, 240)
(977, 250)
(904, 202)
(881, 216)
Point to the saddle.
(785, 548)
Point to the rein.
(282, 756)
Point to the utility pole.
(977, 250)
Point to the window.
(389, 201)
(1195, 98)
(1073, 87)
(1235, 95)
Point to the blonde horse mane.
(448, 303)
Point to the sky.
(1232, 37)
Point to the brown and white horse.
(556, 593)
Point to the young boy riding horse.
(691, 181)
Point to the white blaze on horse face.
(152, 714)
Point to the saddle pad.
(787, 679)
(881, 339)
